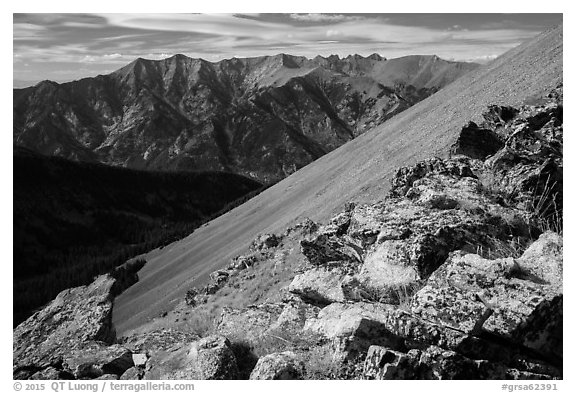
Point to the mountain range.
(262, 117)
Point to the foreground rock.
(320, 286)
(435, 363)
(95, 360)
(470, 293)
(68, 324)
(284, 365)
(207, 358)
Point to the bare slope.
(358, 171)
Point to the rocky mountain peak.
(376, 56)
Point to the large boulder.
(207, 358)
(266, 241)
(320, 286)
(325, 248)
(95, 360)
(436, 363)
(476, 142)
(384, 363)
(294, 316)
(132, 374)
(274, 366)
(471, 293)
(406, 176)
(353, 327)
(497, 116)
(386, 273)
(50, 373)
(543, 330)
(544, 259)
(74, 318)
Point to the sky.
(64, 47)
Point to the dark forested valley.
(73, 221)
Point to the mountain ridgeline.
(73, 221)
(262, 117)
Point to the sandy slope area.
(358, 171)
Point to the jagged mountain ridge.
(359, 171)
(262, 117)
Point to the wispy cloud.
(100, 42)
(324, 17)
(28, 31)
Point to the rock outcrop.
(73, 321)
(284, 365)
(470, 293)
(208, 358)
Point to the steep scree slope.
(358, 171)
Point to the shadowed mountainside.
(359, 171)
(73, 221)
(262, 117)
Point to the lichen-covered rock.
(385, 272)
(95, 360)
(325, 248)
(319, 286)
(354, 327)
(293, 317)
(471, 293)
(242, 262)
(76, 316)
(407, 238)
(406, 176)
(544, 259)
(266, 241)
(132, 374)
(275, 366)
(384, 363)
(107, 377)
(306, 227)
(436, 363)
(543, 330)
(219, 277)
(50, 373)
(498, 115)
(339, 224)
(207, 358)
